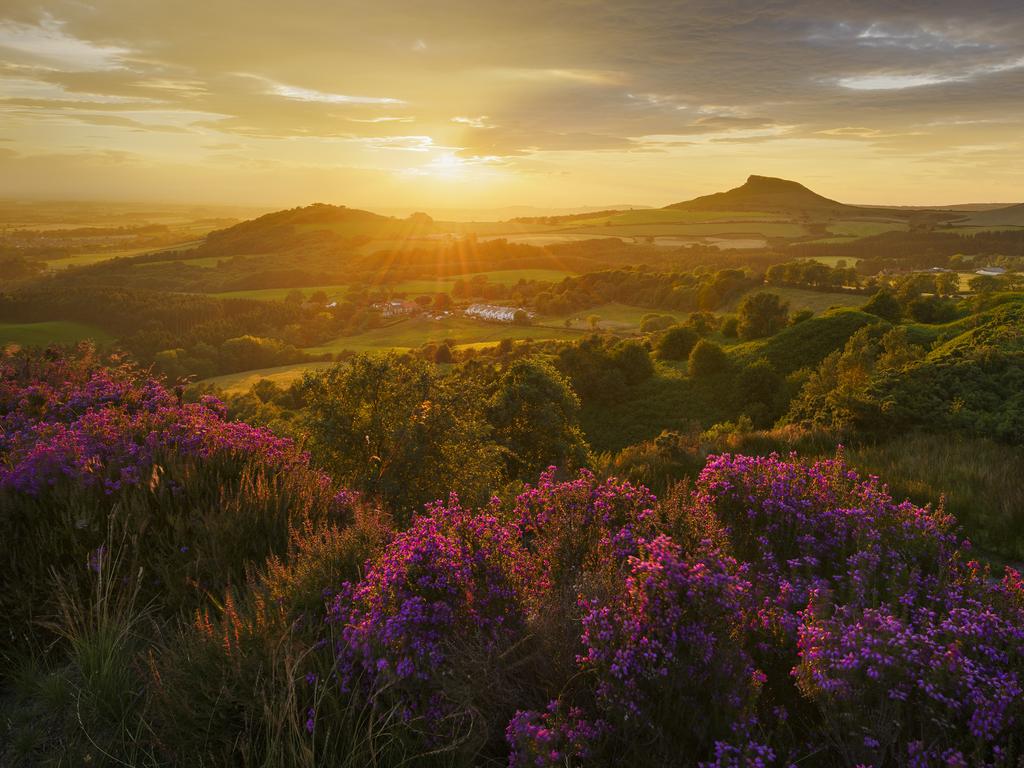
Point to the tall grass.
(83, 699)
(979, 481)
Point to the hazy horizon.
(476, 106)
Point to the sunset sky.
(460, 104)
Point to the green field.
(51, 332)
(833, 261)
(278, 294)
(613, 317)
(495, 277)
(412, 287)
(417, 331)
(816, 301)
(858, 228)
(206, 261)
(282, 375)
(86, 259)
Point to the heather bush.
(431, 630)
(85, 449)
(584, 525)
(672, 675)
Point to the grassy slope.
(282, 375)
(807, 343)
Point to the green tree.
(760, 388)
(707, 359)
(395, 429)
(443, 354)
(535, 416)
(633, 359)
(884, 305)
(761, 314)
(677, 343)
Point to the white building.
(991, 271)
(493, 312)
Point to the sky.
(495, 103)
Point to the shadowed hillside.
(314, 223)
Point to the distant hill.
(765, 193)
(317, 223)
(1010, 216)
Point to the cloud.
(48, 42)
(583, 91)
(308, 94)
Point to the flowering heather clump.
(109, 429)
(583, 523)
(804, 528)
(559, 736)
(949, 663)
(665, 651)
(454, 581)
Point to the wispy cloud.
(47, 41)
(308, 94)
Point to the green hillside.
(807, 343)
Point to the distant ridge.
(317, 223)
(766, 193)
(1012, 215)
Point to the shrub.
(676, 343)
(707, 359)
(431, 620)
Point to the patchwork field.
(417, 331)
(611, 317)
(858, 228)
(722, 228)
(87, 259)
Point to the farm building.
(396, 307)
(991, 271)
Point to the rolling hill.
(765, 193)
(315, 223)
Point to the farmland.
(414, 332)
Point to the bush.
(650, 323)
(707, 359)
(761, 314)
(884, 305)
(677, 343)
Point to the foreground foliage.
(186, 590)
